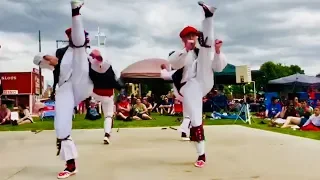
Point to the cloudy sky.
(253, 31)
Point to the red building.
(23, 87)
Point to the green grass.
(80, 123)
(161, 121)
(305, 134)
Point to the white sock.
(184, 127)
(200, 147)
(107, 125)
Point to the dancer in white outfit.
(72, 70)
(105, 81)
(167, 75)
(194, 76)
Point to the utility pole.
(99, 36)
(40, 73)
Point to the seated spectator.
(177, 107)
(293, 121)
(304, 110)
(123, 108)
(165, 106)
(92, 111)
(24, 116)
(140, 111)
(313, 123)
(5, 115)
(170, 97)
(274, 109)
(296, 102)
(287, 110)
(151, 99)
(236, 106)
(147, 104)
(317, 104)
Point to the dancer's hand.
(218, 44)
(52, 60)
(189, 45)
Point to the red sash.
(103, 92)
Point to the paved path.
(234, 153)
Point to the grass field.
(160, 121)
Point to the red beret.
(188, 30)
(68, 32)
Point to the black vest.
(177, 76)
(105, 80)
(100, 81)
(56, 72)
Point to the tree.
(270, 71)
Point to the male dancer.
(167, 75)
(104, 82)
(74, 86)
(194, 76)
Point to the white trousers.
(108, 110)
(72, 92)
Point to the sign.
(19, 81)
(10, 92)
(22, 82)
(243, 74)
(36, 84)
(9, 78)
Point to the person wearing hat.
(71, 69)
(104, 82)
(193, 78)
(167, 75)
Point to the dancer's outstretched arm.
(45, 61)
(178, 59)
(219, 60)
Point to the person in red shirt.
(123, 108)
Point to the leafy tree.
(270, 70)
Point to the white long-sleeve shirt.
(186, 60)
(65, 66)
(315, 120)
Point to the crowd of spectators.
(295, 114)
(15, 117)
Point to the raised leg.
(64, 104)
(206, 53)
(80, 71)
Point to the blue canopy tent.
(297, 80)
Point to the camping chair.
(177, 108)
(219, 103)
